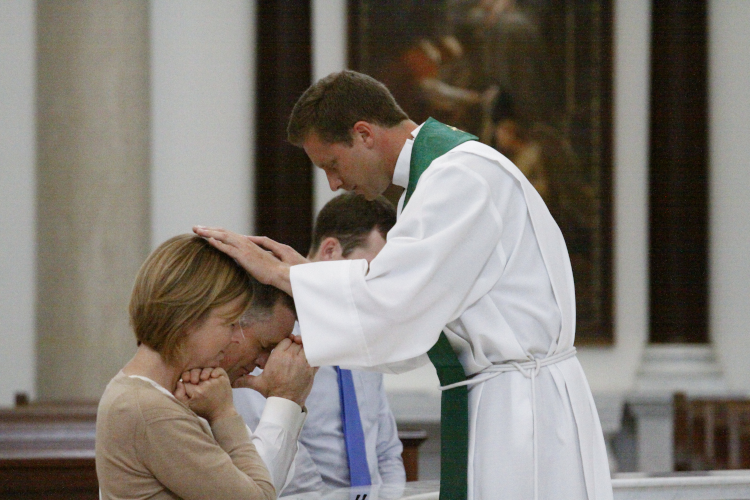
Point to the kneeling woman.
(150, 442)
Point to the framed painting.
(532, 78)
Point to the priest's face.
(360, 167)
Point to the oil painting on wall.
(532, 78)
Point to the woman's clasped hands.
(207, 392)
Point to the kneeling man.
(348, 227)
(285, 382)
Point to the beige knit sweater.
(149, 445)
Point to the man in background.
(348, 227)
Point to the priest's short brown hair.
(332, 105)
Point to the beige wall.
(94, 198)
(202, 115)
(17, 210)
(729, 109)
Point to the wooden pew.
(54, 476)
(411, 441)
(48, 426)
(47, 452)
(711, 433)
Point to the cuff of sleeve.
(230, 432)
(285, 413)
(325, 308)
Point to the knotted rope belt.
(530, 370)
(434, 140)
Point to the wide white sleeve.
(434, 264)
(389, 447)
(277, 423)
(394, 368)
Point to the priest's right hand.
(284, 253)
(265, 265)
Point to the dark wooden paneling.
(678, 173)
(49, 478)
(605, 282)
(283, 172)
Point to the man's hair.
(350, 218)
(265, 298)
(178, 286)
(331, 107)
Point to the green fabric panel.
(454, 422)
(434, 140)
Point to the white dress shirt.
(276, 433)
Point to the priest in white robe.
(475, 254)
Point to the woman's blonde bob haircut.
(176, 289)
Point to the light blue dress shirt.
(321, 461)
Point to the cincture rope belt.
(529, 369)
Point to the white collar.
(403, 163)
(156, 385)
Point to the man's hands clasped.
(286, 374)
(207, 391)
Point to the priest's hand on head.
(284, 253)
(207, 392)
(267, 260)
(286, 374)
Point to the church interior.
(127, 122)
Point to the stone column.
(654, 431)
(92, 188)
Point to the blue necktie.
(354, 437)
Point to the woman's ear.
(330, 249)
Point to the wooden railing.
(711, 433)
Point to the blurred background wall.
(112, 140)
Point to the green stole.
(434, 140)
